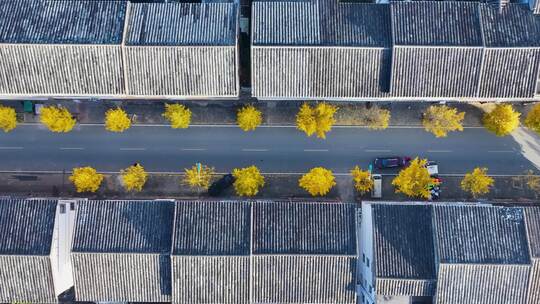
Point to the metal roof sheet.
(124, 227)
(62, 22)
(177, 24)
(26, 226)
(512, 26)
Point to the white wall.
(365, 256)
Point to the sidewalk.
(274, 112)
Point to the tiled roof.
(532, 221)
(482, 235)
(26, 279)
(533, 296)
(482, 284)
(436, 23)
(62, 22)
(26, 226)
(124, 227)
(175, 24)
(403, 241)
(212, 228)
(405, 287)
(513, 26)
(321, 22)
(303, 279)
(304, 228)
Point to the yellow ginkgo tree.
(318, 181)
(134, 177)
(117, 120)
(8, 118)
(477, 182)
(440, 120)
(362, 180)
(57, 119)
(316, 120)
(532, 121)
(502, 120)
(86, 179)
(247, 181)
(249, 118)
(199, 176)
(178, 115)
(414, 181)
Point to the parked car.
(391, 162)
(221, 185)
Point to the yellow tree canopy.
(316, 120)
(249, 118)
(134, 177)
(376, 118)
(86, 179)
(178, 115)
(8, 118)
(318, 181)
(477, 182)
(440, 120)
(502, 120)
(414, 180)
(247, 181)
(362, 180)
(117, 120)
(532, 121)
(199, 177)
(57, 119)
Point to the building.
(34, 241)
(61, 48)
(121, 251)
(448, 253)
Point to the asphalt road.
(159, 148)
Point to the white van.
(376, 192)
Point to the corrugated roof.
(482, 284)
(403, 241)
(182, 24)
(532, 221)
(26, 279)
(486, 235)
(124, 227)
(436, 23)
(324, 23)
(304, 228)
(303, 279)
(405, 287)
(212, 228)
(62, 22)
(513, 26)
(26, 226)
(533, 296)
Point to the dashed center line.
(315, 150)
(255, 150)
(70, 148)
(439, 151)
(193, 149)
(132, 149)
(11, 148)
(377, 150)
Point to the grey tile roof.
(304, 228)
(124, 227)
(122, 277)
(482, 284)
(211, 279)
(405, 287)
(323, 23)
(533, 296)
(26, 226)
(62, 22)
(436, 23)
(532, 222)
(212, 228)
(513, 26)
(535, 6)
(26, 279)
(482, 235)
(403, 242)
(303, 279)
(174, 24)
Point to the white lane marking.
(439, 151)
(502, 151)
(315, 150)
(11, 148)
(132, 149)
(193, 149)
(255, 150)
(375, 150)
(68, 148)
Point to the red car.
(391, 162)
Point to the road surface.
(272, 149)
